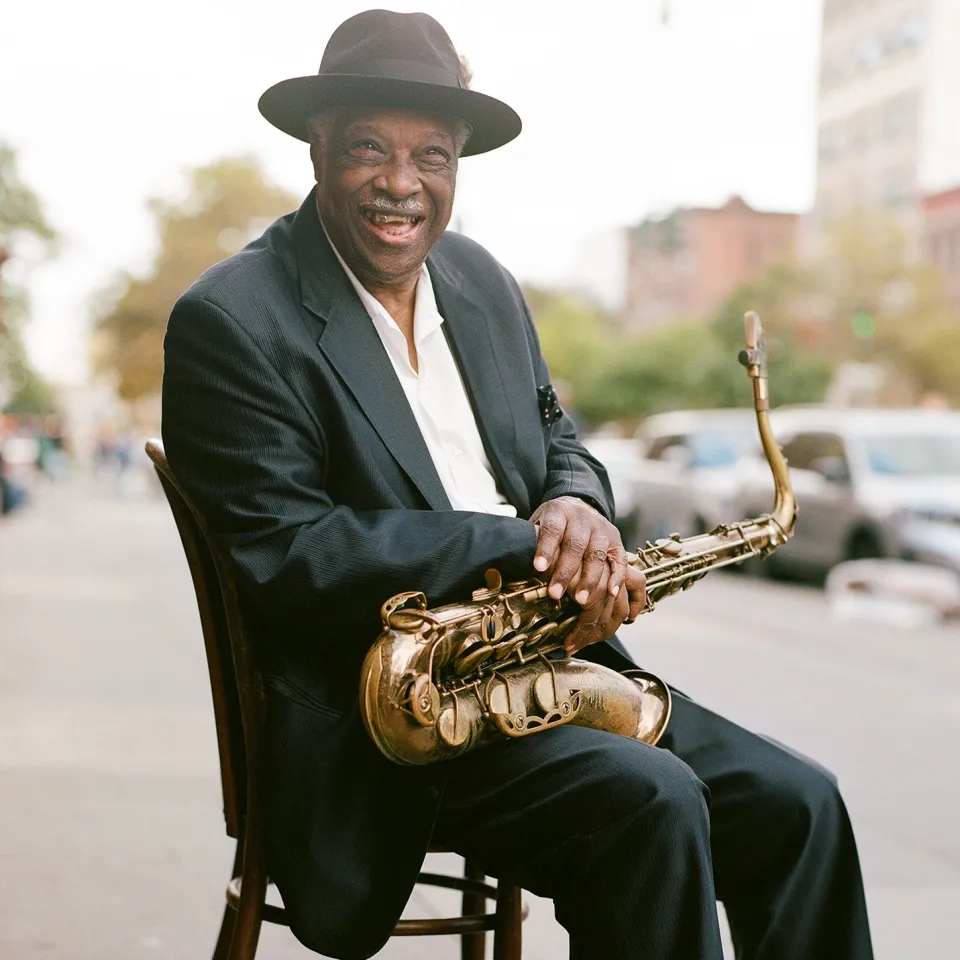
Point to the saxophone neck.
(754, 358)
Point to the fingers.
(636, 589)
(579, 548)
(597, 622)
(591, 567)
(551, 526)
(617, 560)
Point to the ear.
(315, 159)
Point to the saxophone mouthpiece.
(754, 356)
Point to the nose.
(399, 178)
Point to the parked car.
(688, 476)
(621, 457)
(869, 483)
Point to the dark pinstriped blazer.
(284, 419)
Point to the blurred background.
(682, 161)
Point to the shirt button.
(457, 452)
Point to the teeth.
(385, 218)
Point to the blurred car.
(869, 483)
(621, 457)
(688, 477)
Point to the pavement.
(111, 835)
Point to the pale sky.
(107, 101)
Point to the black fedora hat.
(385, 59)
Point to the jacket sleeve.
(571, 470)
(253, 457)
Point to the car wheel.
(761, 569)
(864, 545)
(629, 527)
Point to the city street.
(111, 833)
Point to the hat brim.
(290, 103)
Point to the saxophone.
(440, 682)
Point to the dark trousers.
(634, 844)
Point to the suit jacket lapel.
(482, 364)
(351, 343)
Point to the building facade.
(940, 236)
(684, 265)
(887, 130)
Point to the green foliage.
(686, 365)
(227, 204)
(571, 330)
(21, 213)
(866, 300)
(877, 304)
(32, 395)
(22, 226)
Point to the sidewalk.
(112, 838)
(113, 843)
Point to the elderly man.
(358, 402)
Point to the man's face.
(386, 181)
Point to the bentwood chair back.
(239, 707)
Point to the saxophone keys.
(671, 545)
(451, 729)
(550, 692)
(468, 661)
(493, 588)
(423, 699)
(507, 719)
(542, 633)
(491, 628)
(508, 646)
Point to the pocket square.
(550, 409)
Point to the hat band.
(402, 70)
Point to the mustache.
(410, 207)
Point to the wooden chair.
(239, 708)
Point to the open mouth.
(393, 226)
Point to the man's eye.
(365, 146)
(436, 153)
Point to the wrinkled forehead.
(388, 120)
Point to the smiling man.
(358, 403)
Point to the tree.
(872, 301)
(24, 230)
(227, 203)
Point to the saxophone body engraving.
(439, 682)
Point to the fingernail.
(583, 596)
(540, 563)
(556, 591)
(615, 590)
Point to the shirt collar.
(426, 314)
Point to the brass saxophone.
(440, 682)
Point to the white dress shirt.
(437, 398)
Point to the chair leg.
(508, 933)
(222, 950)
(253, 892)
(473, 946)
